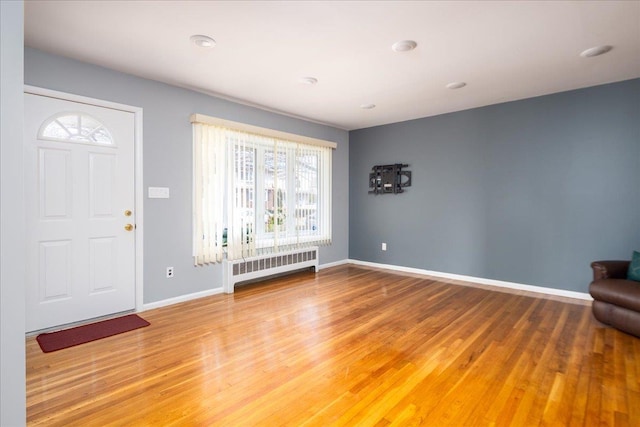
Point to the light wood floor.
(348, 346)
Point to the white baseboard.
(479, 280)
(333, 264)
(216, 291)
(463, 278)
(181, 298)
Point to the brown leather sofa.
(616, 299)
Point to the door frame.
(137, 164)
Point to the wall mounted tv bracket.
(384, 179)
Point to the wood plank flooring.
(347, 346)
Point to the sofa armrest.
(610, 269)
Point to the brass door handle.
(127, 213)
(128, 227)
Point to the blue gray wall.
(167, 162)
(12, 225)
(529, 191)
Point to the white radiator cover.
(267, 265)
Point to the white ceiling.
(503, 50)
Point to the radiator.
(261, 266)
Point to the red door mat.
(54, 341)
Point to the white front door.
(79, 192)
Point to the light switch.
(158, 192)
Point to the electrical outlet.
(169, 272)
(384, 246)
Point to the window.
(258, 192)
(75, 127)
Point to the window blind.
(256, 194)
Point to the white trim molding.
(333, 264)
(181, 298)
(479, 280)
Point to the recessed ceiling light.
(308, 80)
(203, 41)
(404, 46)
(595, 51)
(368, 106)
(456, 85)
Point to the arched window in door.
(75, 127)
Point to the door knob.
(127, 212)
(128, 227)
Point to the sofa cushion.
(619, 317)
(634, 267)
(625, 293)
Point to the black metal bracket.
(389, 179)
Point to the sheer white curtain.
(267, 194)
(209, 154)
